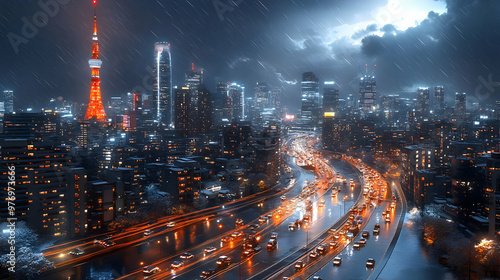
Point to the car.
(283, 197)
(365, 234)
(299, 265)
(271, 244)
(274, 235)
(334, 244)
(171, 224)
(291, 226)
(223, 261)
(107, 243)
(314, 255)
(226, 239)
(337, 261)
(176, 264)
(247, 253)
(239, 222)
(370, 262)
(376, 229)
(210, 249)
(148, 232)
(98, 240)
(187, 255)
(253, 227)
(350, 235)
(207, 273)
(76, 252)
(148, 270)
(356, 245)
(387, 219)
(237, 234)
(362, 241)
(317, 278)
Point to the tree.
(201, 202)
(28, 248)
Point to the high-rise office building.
(8, 101)
(162, 85)
(237, 96)
(439, 100)
(460, 104)
(310, 96)
(193, 78)
(423, 102)
(367, 92)
(204, 117)
(221, 106)
(183, 112)
(261, 97)
(275, 100)
(330, 97)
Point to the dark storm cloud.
(455, 49)
(362, 33)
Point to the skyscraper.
(310, 96)
(163, 100)
(423, 102)
(460, 105)
(439, 99)
(222, 108)
(330, 97)
(204, 117)
(261, 98)
(237, 96)
(8, 101)
(95, 108)
(193, 78)
(367, 92)
(183, 112)
(275, 101)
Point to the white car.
(171, 224)
(148, 232)
(337, 261)
(187, 255)
(150, 269)
(176, 264)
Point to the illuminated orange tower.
(95, 109)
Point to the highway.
(306, 194)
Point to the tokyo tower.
(95, 108)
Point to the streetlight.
(345, 198)
(307, 236)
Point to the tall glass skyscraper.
(162, 85)
(439, 99)
(423, 102)
(310, 96)
(367, 92)
(8, 100)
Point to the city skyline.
(246, 68)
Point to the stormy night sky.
(455, 43)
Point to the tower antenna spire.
(95, 108)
